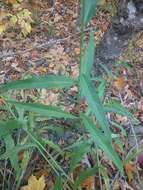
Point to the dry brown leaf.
(34, 183)
(88, 183)
(120, 83)
(130, 170)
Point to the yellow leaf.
(34, 183)
(28, 27)
(13, 20)
(11, 2)
(2, 28)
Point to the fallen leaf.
(130, 170)
(116, 185)
(77, 51)
(34, 183)
(28, 27)
(88, 183)
(11, 2)
(119, 83)
(2, 28)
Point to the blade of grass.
(51, 161)
(58, 184)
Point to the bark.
(124, 25)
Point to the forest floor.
(53, 47)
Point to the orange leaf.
(88, 183)
(77, 51)
(130, 170)
(120, 83)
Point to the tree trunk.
(124, 25)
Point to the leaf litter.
(25, 57)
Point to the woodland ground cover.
(62, 128)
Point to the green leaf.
(9, 142)
(56, 129)
(116, 107)
(106, 70)
(87, 59)
(78, 144)
(101, 89)
(120, 127)
(78, 154)
(16, 149)
(88, 91)
(7, 127)
(102, 141)
(49, 81)
(88, 10)
(52, 145)
(44, 110)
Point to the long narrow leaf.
(88, 9)
(102, 141)
(88, 91)
(49, 81)
(58, 183)
(88, 58)
(44, 110)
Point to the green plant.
(22, 118)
